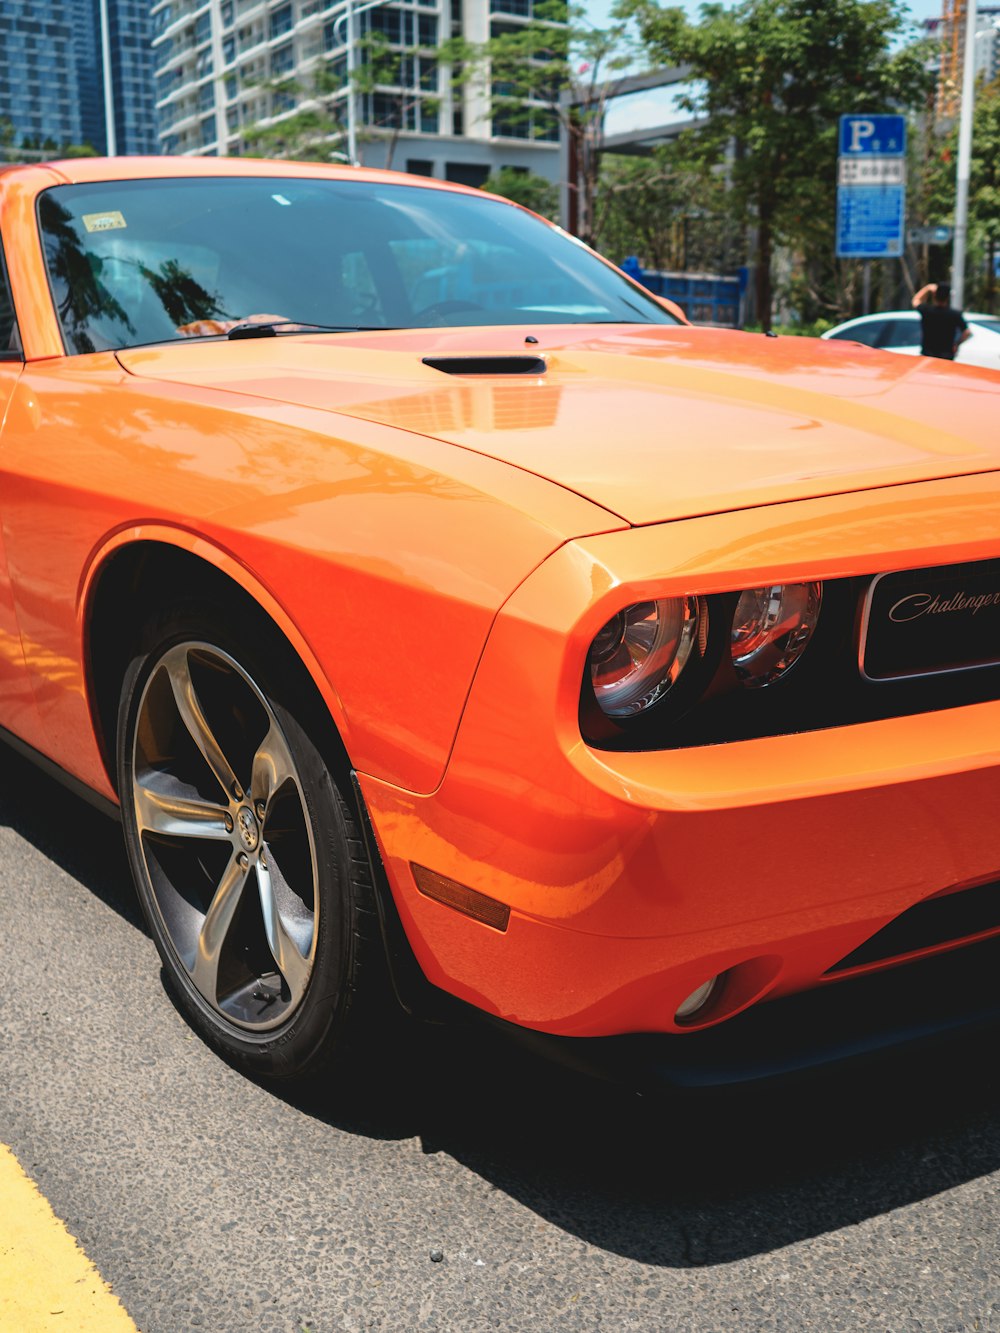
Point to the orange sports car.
(444, 614)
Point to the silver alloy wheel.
(225, 838)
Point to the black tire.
(271, 976)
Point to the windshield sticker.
(104, 221)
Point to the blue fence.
(705, 298)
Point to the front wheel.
(248, 864)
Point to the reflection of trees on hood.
(80, 296)
(182, 296)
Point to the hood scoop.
(487, 365)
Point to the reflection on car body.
(440, 609)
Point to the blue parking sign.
(872, 136)
(871, 193)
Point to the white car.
(899, 331)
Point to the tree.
(547, 77)
(401, 82)
(310, 132)
(774, 76)
(33, 148)
(664, 210)
(525, 188)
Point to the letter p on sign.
(860, 131)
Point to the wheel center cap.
(249, 830)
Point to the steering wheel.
(446, 308)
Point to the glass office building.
(54, 89)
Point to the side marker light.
(470, 902)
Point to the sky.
(658, 108)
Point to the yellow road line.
(47, 1283)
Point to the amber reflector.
(463, 899)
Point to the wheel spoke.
(273, 766)
(191, 714)
(215, 928)
(291, 964)
(178, 816)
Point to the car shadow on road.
(81, 840)
(677, 1181)
(690, 1179)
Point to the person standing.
(942, 328)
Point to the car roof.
(87, 170)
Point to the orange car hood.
(651, 423)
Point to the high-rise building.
(949, 30)
(225, 69)
(43, 99)
(54, 89)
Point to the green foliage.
(311, 132)
(812, 329)
(525, 188)
(774, 76)
(34, 148)
(665, 209)
(383, 69)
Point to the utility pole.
(964, 158)
(111, 143)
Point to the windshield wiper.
(248, 329)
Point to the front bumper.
(634, 878)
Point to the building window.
(420, 166)
(389, 22)
(226, 13)
(228, 51)
(281, 21)
(466, 173)
(283, 59)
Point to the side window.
(10, 338)
(900, 333)
(861, 333)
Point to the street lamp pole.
(352, 65)
(964, 158)
(111, 143)
(347, 21)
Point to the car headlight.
(640, 652)
(771, 627)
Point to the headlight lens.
(639, 653)
(771, 627)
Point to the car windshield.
(134, 262)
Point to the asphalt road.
(211, 1203)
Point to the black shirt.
(940, 329)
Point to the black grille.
(936, 921)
